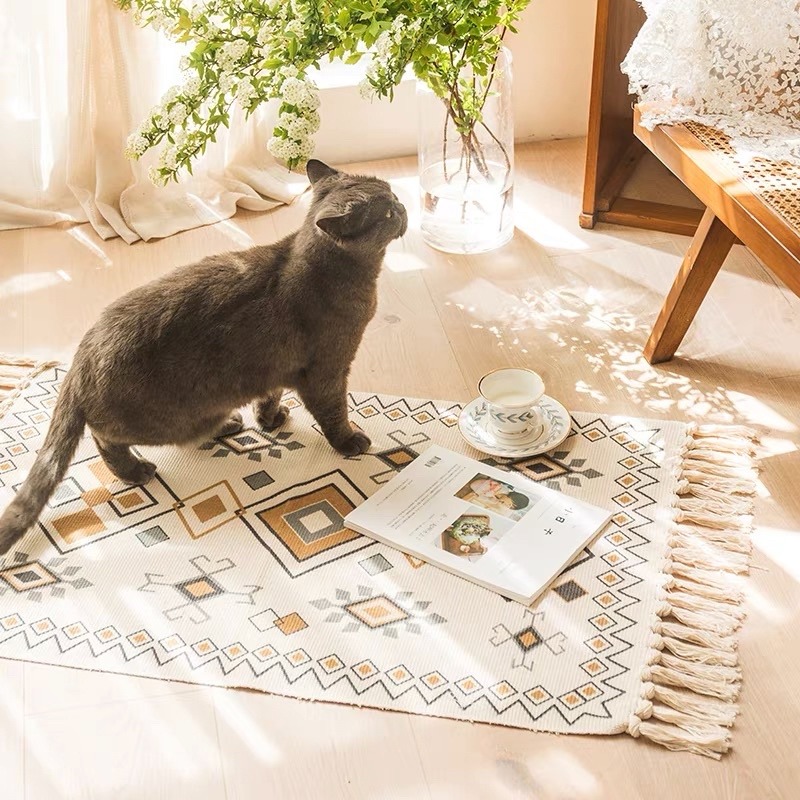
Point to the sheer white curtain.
(731, 64)
(76, 77)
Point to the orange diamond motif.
(267, 652)
(12, 621)
(602, 622)
(375, 612)
(610, 578)
(606, 599)
(107, 634)
(234, 651)
(598, 644)
(331, 663)
(571, 700)
(298, 657)
(140, 638)
(399, 674)
(365, 669)
(433, 679)
(73, 631)
(588, 691)
(204, 647)
(503, 689)
(290, 624)
(538, 695)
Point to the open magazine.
(495, 528)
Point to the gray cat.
(171, 361)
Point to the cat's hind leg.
(124, 464)
(270, 412)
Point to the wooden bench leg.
(702, 262)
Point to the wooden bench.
(756, 204)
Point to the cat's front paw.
(358, 443)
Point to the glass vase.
(467, 172)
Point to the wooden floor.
(576, 306)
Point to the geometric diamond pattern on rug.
(538, 695)
(67, 490)
(28, 576)
(209, 509)
(290, 624)
(201, 588)
(624, 499)
(528, 638)
(151, 536)
(331, 663)
(540, 468)
(398, 457)
(376, 564)
(376, 612)
(469, 685)
(311, 523)
(258, 480)
(569, 591)
(79, 525)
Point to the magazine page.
(496, 528)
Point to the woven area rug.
(232, 568)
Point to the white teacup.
(512, 398)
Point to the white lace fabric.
(731, 64)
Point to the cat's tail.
(52, 462)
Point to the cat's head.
(357, 212)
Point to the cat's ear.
(335, 226)
(317, 170)
(340, 224)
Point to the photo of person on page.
(496, 496)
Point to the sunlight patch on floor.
(231, 705)
(543, 229)
(84, 239)
(782, 547)
(758, 411)
(28, 282)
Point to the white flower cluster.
(136, 145)
(298, 120)
(384, 50)
(300, 93)
(295, 27)
(191, 86)
(297, 126)
(230, 53)
(245, 92)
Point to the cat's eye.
(389, 214)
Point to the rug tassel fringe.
(691, 683)
(15, 376)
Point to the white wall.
(552, 71)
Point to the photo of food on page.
(495, 495)
(472, 535)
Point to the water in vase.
(466, 212)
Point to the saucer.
(473, 423)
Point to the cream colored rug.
(232, 568)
